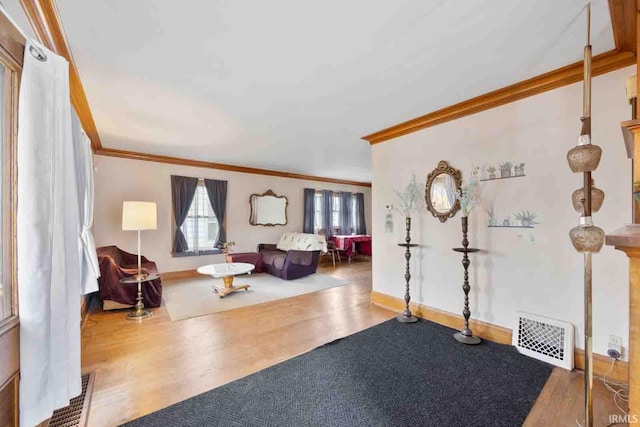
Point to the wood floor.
(143, 367)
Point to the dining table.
(353, 244)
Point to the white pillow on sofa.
(291, 241)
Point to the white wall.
(124, 179)
(536, 271)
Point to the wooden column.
(627, 239)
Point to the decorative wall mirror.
(441, 192)
(268, 209)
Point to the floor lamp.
(139, 216)
(587, 239)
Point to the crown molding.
(110, 152)
(601, 64)
(45, 20)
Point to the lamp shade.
(139, 216)
(631, 86)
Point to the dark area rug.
(389, 375)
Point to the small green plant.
(409, 199)
(469, 196)
(491, 169)
(226, 246)
(491, 212)
(506, 166)
(527, 218)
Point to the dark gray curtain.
(217, 191)
(346, 211)
(182, 191)
(361, 226)
(327, 212)
(309, 210)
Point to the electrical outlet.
(615, 340)
(614, 349)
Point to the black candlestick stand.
(406, 316)
(466, 335)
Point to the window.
(200, 228)
(318, 224)
(336, 211)
(354, 214)
(8, 83)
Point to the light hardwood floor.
(143, 367)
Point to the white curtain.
(49, 240)
(90, 268)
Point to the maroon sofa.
(116, 264)
(288, 265)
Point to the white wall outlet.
(614, 349)
(615, 340)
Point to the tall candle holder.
(466, 336)
(406, 316)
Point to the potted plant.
(492, 217)
(468, 195)
(505, 169)
(506, 222)
(225, 248)
(492, 172)
(519, 169)
(409, 199)
(526, 218)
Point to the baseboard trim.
(601, 366)
(172, 275)
(495, 333)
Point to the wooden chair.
(331, 249)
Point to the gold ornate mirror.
(268, 209)
(441, 191)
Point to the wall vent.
(546, 339)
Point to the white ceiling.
(292, 85)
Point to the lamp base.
(139, 315)
(406, 319)
(464, 339)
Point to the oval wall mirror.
(441, 192)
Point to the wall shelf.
(511, 226)
(502, 177)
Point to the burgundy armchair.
(116, 264)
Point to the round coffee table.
(227, 271)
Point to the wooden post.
(627, 239)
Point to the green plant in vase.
(492, 217)
(469, 196)
(409, 199)
(492, 172)
(225, 248)
(505, 169)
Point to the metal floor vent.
(545, 339)
(76, 413)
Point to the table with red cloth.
(360, 243)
